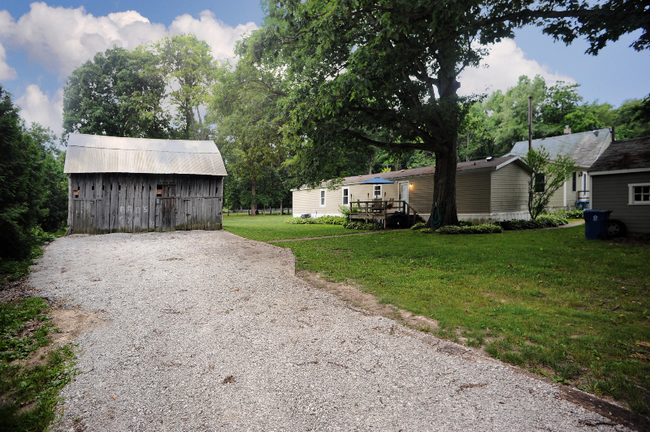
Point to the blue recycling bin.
(596, 224)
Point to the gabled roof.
(461, 167)
(584, 147)
(103, 154)
(632, 154)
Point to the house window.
(346, 196)
(540, 182)
(639, 194)
(573, 185)
(376, 192)
(322, 197)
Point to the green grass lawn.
(574, 310)
(275, 227)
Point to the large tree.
(249, 124)
(117, 93)
(384, 73)
(190, 71)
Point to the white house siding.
(509, 189)
(611, 192)
(421, 194)
(473, 192)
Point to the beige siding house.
(621, 183)
(584, 148)
(487, 189)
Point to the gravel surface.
(206, 331)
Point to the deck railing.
(381, 210)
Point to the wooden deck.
(382, 211)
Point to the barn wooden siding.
(116, 202)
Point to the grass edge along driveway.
(571, 309)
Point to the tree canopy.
(31, 183)
(155, 91)
(118, 93)
(385, 73)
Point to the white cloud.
(35, 106)
(6, 72)
(221, 37)
(506, 63)
(61, 39)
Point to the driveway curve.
(207, 331)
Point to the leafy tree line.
(33, 187)
(492, 126)
(155, 91)
(315, 93)
(385, 73)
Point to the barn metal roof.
(584, 147)
(100, 153)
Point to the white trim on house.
(345, 197)
(374, 190)
(624, 171)
(491, 217)
(323, 197)
(509, 162)
(631, 200)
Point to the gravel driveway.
(206, 331)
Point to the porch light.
(410, 185)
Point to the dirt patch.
(641, 240)
(16, 290)
(367, 302)
(71, 322)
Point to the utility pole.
(530, 123)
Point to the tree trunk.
(281, 209)
(444, 186)
(253, 203)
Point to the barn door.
(167, 205)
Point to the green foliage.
(15, 342)
(473, 229)
(249, 133)
(25, 327)
(327, 220)
(546, 178)
(54, 195)
(346, 94)
(543, 221)
(633, 119)
(419, 226)
(189, 71)
(358, 225)
(117, 93)
(493, 126)
(21, 168)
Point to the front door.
(404, 191)
(167, 207)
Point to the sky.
(41, 43)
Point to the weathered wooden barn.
(136, 184)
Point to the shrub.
(474, 229)
(327, 220)
(358, 225)
(419, 226)
(543, 221)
